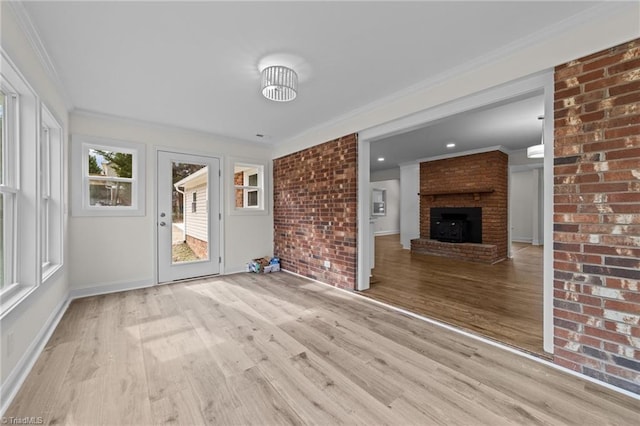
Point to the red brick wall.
(316, 210)
(238, 179)
(486, 170)
(597, 215)
(200, 248)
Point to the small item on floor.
(264, 265)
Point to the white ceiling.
(512, 124)
(195, 64)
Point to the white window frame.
(20, 181)
(9, 185)
(252, 189)
(261, 188)
(80, 205)
(51, 194)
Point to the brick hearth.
(486, 253)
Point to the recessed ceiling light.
(380, 158)
(451, 145)
(259, 135)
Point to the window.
(51, 194)
(194, 202)
(248, 180)
(9, 189)
(108, 177)
(19, 187)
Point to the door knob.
(162, 215)
(162, 224)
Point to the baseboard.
(109, 288)
(235, 269)
(314, 280)
(522, 240)
(18, 375)
(392, 232)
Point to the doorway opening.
(509, 301)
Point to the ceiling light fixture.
(451, 145)
(537, 151)
(279, 83)
(380, 158)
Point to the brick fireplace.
(477, 181)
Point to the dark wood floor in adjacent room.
(501, 301)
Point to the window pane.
(248, 181)
(2, 140)
(110, 163)
(44, 216)
(2, 241)
(190, 227)
(94, 163)
(252, 198)
(107, 193)
(7, 238)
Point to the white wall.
(387, 174)
(526, 198)
(28, 322)
(389, 223)
(129, 241)
(409, 204)
(521, 200)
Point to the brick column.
(597, 215)
(316, 211)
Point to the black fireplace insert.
(456, 224)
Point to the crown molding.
(135, 122)
(32, 35)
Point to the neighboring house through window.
(108, 177)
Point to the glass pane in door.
(189, 215)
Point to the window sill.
(11, 297)
(49, 270)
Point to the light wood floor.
(277, 349)
(501, 301)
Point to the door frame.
(539, 82)
(154, 200)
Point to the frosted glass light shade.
(535, 151)
(279, 83)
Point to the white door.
(188, 216)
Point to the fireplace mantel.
(475, 191)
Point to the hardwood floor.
(501, 301)
(277, 349)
